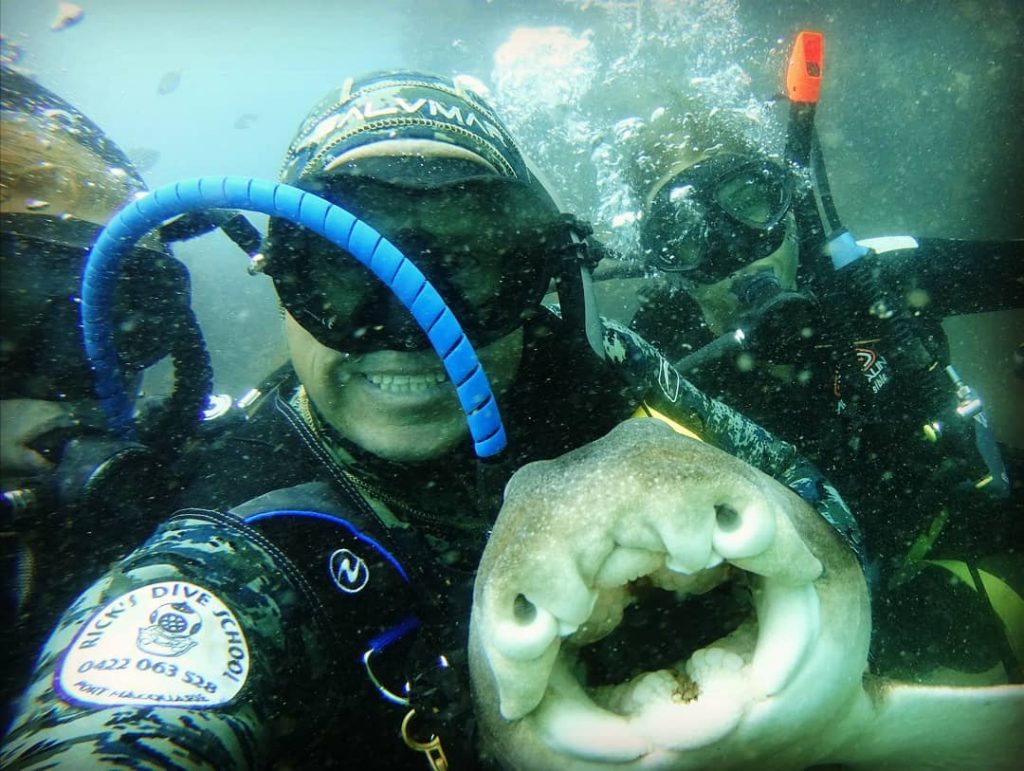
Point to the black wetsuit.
(235, 637)
(895, 481)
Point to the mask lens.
(755, 195)
(717, 215)
(681, 222)
(484, 245)
(41, 346)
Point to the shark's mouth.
(732, 611)
(696, 620)
(650, 601)
(689, 656)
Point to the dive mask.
(717, 215)
(487, 244)
(41, 264)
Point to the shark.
(648, 601)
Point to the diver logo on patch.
(168, 644)
(171, 631)
(349, 572)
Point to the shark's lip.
(697, 701)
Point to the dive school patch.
(167, 644)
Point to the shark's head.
(594, 641)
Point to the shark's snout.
(583, 542)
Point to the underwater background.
(920, 116)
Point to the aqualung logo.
(357, 115)
(866, 357)
(348, 571)
(874, 367)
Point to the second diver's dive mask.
(716, 216)
(41, 264)
(487, 244)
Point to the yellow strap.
(1007, 604)
(914, 561)
(646, 411)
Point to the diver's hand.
(23, 421)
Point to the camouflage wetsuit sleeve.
(642, 364)
(189, 653)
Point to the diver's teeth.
(744, 532)
(525, 636)
(714, 561)
(406, 383)
(788, 620)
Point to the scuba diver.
(852, 366)
(319, 589)
(62, 474)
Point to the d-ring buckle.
(432, 748)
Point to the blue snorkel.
(332, 222)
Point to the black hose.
(180, 417)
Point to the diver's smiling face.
(398, 405)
